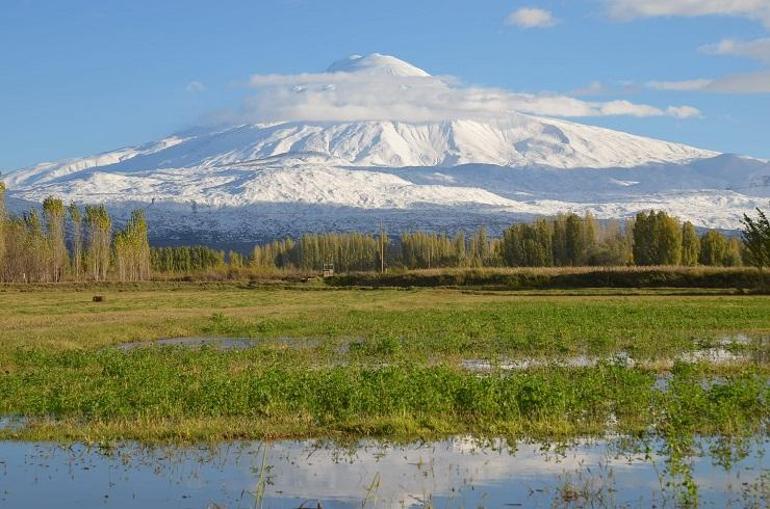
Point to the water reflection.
(220, 343)
(457, 473)
(724, 350)
(193, 342)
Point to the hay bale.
(98, 298)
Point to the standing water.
(456, 473)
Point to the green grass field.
(387, 362)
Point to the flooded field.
(245, 369)
(456, 473)
(736, 349)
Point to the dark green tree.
(756, 239)
(690, 245)
(713, 247)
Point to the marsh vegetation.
(668, 367)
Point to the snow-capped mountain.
(269, 179)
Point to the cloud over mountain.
(380, 87)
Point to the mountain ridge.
(491, 167)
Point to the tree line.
(567, 240)
(67, 242)
(70, 242)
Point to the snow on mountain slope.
(277, 181)
(437, 174)
(521, 140)
(52, 171)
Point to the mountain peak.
(378, 64)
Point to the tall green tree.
(53, 210)
(575, 240)
(559, 241)
(382, 252)
(713, 247)
(527, 245)
(481, 251)
(186, 259)
(34, 248)
(460, 249)
(668, 234)
(99, 226)
(690, 245)
(657, 239)
(756, 238)
(235, 260)
(733, 253)
(132, 249)
(76, 227)
(3, 228)
(645, 248)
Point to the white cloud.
(757, 82)
(530, 17)
(748, 83)
(593, 88)
(195, 87)
(683, 112)
(631, 9)
(681, 86)
(354, 96)
(757, 49)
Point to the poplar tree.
(733, 254)
(690, 245)
(713, 247)
(140, 239)
(99, 226)
(575, 240)
(15, 266)
(559, 241)
(76, 223)
(657, 239)
(590, 232)
(33, 248)
(756, 239)
(644, 248)
(3, 228)
(276, 254)
(235, 260)
(186, 259)
(428, 250)
(527, 245)
(383, 246)
(53, 209)
(132, 249)
(668, 234)
(481, 251)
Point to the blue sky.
(82, 76)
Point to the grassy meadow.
(351, 362)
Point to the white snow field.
(262, 180)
